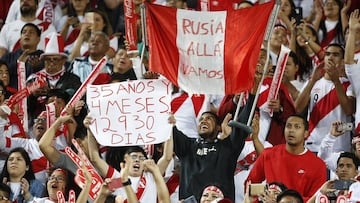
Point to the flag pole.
(144, 36)
(268, 32)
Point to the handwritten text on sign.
(131, 112)
(201, 40)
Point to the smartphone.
(190, 199)
(89, 17)
(256, 189)
(115, 184)
(299, 15)
(345, 127)
(342, 184)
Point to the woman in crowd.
(69, 25)
(5, 77)
(96, 21)
(18, 174)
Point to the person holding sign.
(145, 176)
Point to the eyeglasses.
(39, 120)
(135, 157)
(3, 198)
(57, 178)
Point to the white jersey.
(245, 163)
(48, 11)
(10, 34)
(144, 187)
(324, 108)
(353, 73)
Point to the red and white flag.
(206, 52)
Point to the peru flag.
(206, 52)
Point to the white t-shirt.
(10, 33)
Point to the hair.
(339, 46)
(3, 86)
(71, 10)
(102, 34)
(5, 188)
(338, 28)
(29, 174)
(293, 11)
(217, 119)
(282, 186)
(349, 155)
(132, 149)
(114, 156)
(107, 28)
(291, 193)
(38, 31)
(305, 122)
(246, 2)
(59, 93)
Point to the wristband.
(128, 182)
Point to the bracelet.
(128, 182)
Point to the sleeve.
(182, 143)
(238, 136)
(353, 73)
(327, 153)
(13, 10)
(318, 181)
(257, 173)
(65, 162)
(3, 41)
(37, 189)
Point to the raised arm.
(354, 26)
(303, 99)
(99, 163)
(46, 141)
(162, 191)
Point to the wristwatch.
(128, 182)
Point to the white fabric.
(45, 7)
(353, 73)
(150, 192)
(321, 88)
(10, 34)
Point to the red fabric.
(305, 173)
(276, 132)
(14, 120)
(329, 38)
(173, 183)
(243, 34)
(218, 5)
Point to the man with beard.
(10, 33)
(291, 163)
(210, 159)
